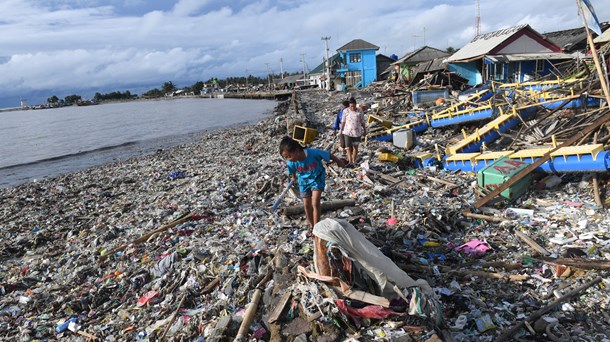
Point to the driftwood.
(182, 219)
(325, 206)
(251, 311)
(209, 287)
(451, 270)
(583, 264)
(532, 243)
(598, 199)
(279, 308)
(508, 333)
(484, 217)
(173, 317)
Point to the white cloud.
(54, 44)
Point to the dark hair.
(352, 100)
(290, 145)
(345, 103)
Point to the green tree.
(153, 93)
(72, 99)
(168, 87)
(53, 99)
(450, 49)
(197, 87)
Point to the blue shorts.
(317, 185)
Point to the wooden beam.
(325, 206)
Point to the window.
(499, 72)
(354, 58)
(539, 65)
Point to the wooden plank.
(279, 308)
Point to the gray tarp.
(366, 255)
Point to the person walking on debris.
(353, 128)
(306, 165)
(337, 125)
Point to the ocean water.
(35, 144)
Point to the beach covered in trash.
(184, 245)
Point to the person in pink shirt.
(353, 128)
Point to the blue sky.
(55, 47)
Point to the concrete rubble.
(175, 245)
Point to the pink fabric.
(475, 247)
(370, 311)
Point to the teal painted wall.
(469, 71)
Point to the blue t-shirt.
(310, 171)
(338, 118)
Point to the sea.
(41, 143)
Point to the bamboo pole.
(532, 243)
(598, 67)
(251, 311)
(598, 199)
(484, 217)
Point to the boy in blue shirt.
(306, 165)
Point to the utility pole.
(327, 65)
(477, 20)
(282, 67)
(415, 36)
(303, 62)
(424, 36)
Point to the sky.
(60, 47)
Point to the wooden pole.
(532, 243)
(173, 317)
(484, 217)
(325, 206)
(598, 67)
(251, 311)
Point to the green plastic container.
(501, 171)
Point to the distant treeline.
(166, 89)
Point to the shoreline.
(57, 235)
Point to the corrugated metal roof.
(515, 57)
(568, 39)
(435, 64)
(334, 60)
(484, 43)
(423, 54)
(604, 38)
(358, 44)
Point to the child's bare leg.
(308, 206)
(316, 195)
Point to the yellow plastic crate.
(389, 157)
(384, 123)
(304, 135)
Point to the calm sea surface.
(43, 143)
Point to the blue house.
(515, 54)
(358, 63)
